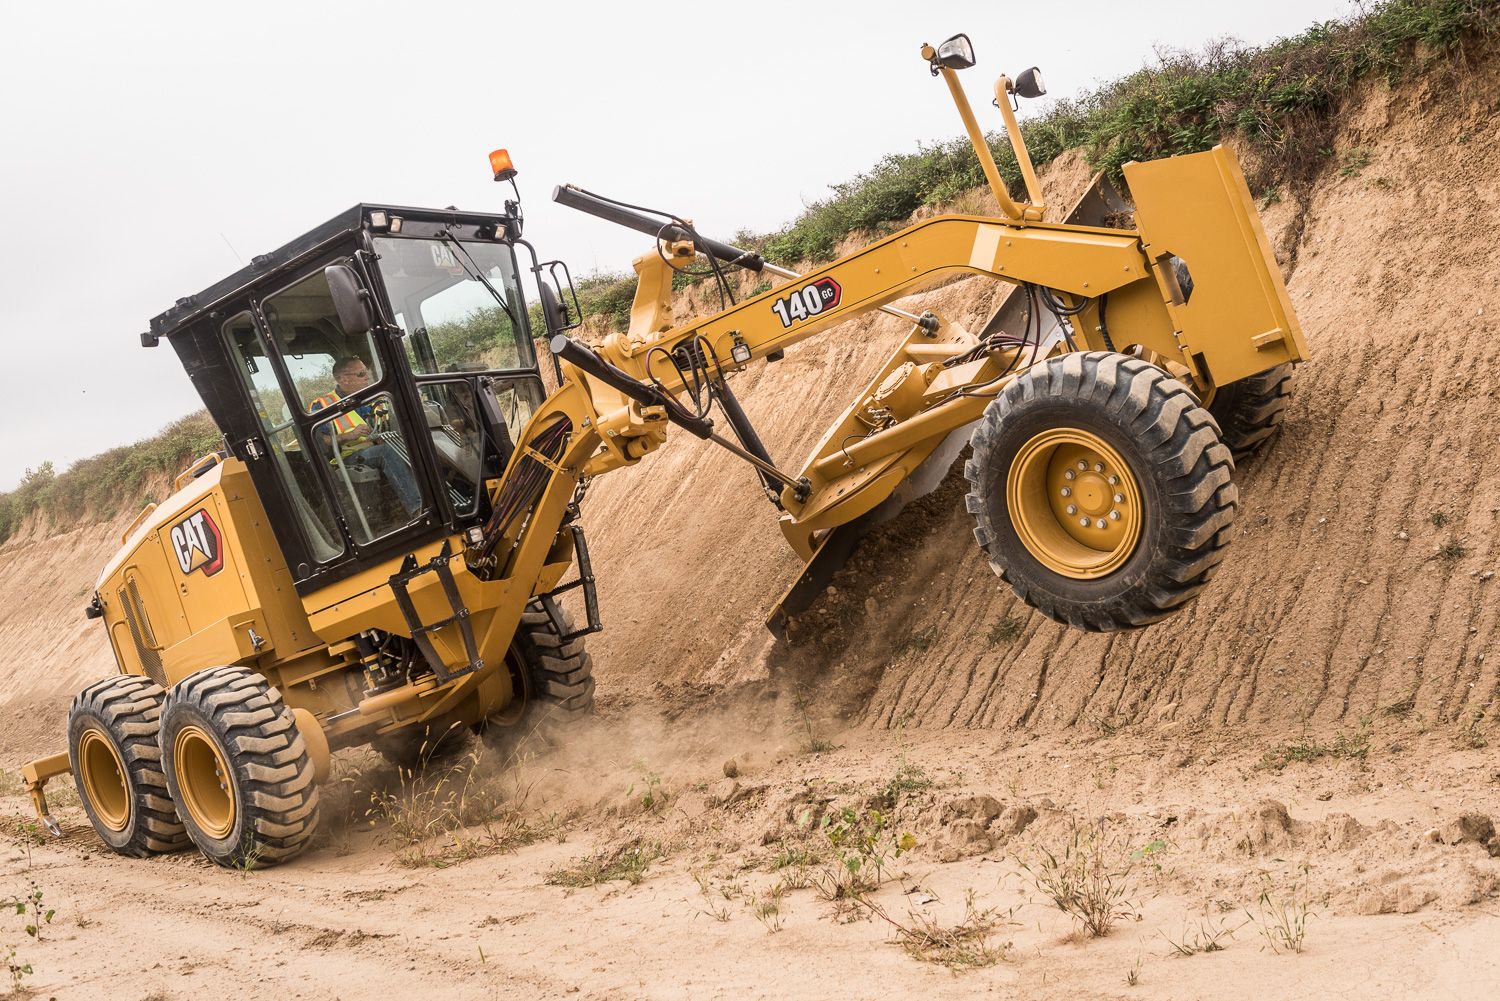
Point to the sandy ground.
(1191, 829)
(1315, 737)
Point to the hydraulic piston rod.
(585, 201)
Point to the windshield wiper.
(472, 270)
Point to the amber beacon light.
(501, 165)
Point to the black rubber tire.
(273, 790)
(556, 682)
(126, 710)
(1249, 411)
(1172, 446)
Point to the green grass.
(1348, 746)
(1006, 630)
(628, 862)
(1281, 100)
(99, 485)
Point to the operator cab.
(367, 438)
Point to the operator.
(354, 431)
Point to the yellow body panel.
(1239, 317)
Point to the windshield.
(441, 291)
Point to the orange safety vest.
(343, 423)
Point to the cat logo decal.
(198, 543)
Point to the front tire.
(237, 767)
(116, 763)
(1101, 491)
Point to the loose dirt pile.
(932, 791)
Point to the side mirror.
(356, 315)
(957, 53)
(552, 310)
(1029, 83)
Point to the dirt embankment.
(47, 573)
(1363, 572)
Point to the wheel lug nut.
(1070, 475)
(1082, 465)
(1067, 491)
(1098, 467)
(1101, 523)
(1072, 508)
(1119, 498)
(1114, 516)
(1084, 522)
(1113, 480)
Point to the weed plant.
(627, 862)
(1090, 880)
(464, 811)
(967, 945)
(1353, 746)
(1201, 934)
(1281, 913)
(1006, 630)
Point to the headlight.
(1029, 83)
(957, 53)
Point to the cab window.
(458, 303)
(289, 455)
(305, 328)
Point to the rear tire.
(116, 763)
(553, 684)
(1155, 488)
(238, 768)
(1249, 411)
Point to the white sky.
(143, 141)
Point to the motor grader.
(378, 555)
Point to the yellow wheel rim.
(103, 775)
(204, 781)
(1074, 503)
(520, 690)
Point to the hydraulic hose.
(585, 358)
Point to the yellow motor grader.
(379, 553)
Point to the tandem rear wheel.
(1101, 491)
(238, 768)
(116, 764)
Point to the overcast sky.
(152, 148)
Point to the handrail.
(145, 512)
(200, 466)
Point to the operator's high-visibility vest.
(343, 423)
